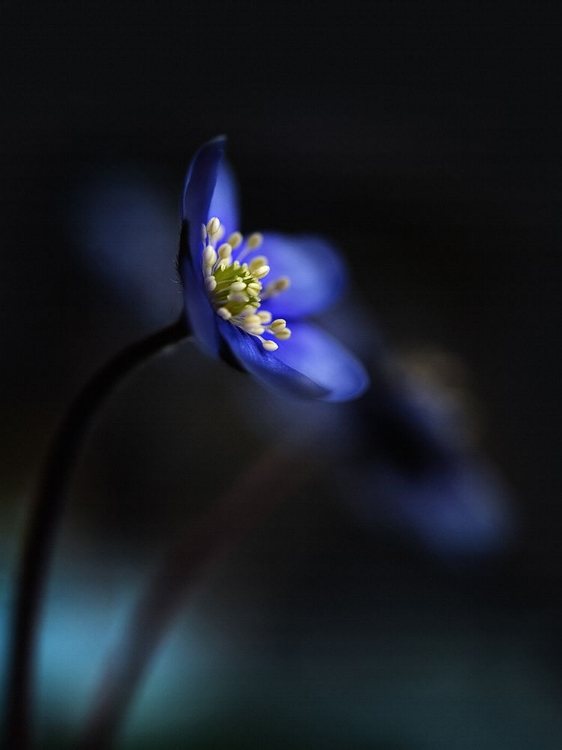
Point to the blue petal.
(198, 193)
(224, 203)
(317, 272)
(311, 364)
(201, 317)
(460, 509)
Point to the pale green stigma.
(235, 288)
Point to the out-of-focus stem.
(272, 479)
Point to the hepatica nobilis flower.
(423, 472)
(247, 298)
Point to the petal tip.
(353, 390)
(201, 177)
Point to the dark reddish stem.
(266, 484)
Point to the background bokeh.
(423, 138)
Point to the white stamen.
(225, 251)
(254, 288)
(235, 289)
(254, 241)
(269, 346)
(213, 225)
(209, 256)
(257, 262)
(282, 283)
(235, 239)
(276, 287)
(261, 272)
(238, 297)
(278, 325)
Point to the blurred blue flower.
(458, 509)
(405, 456)
(235, 314)
(123, 225)
(423, 475)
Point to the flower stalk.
(45, 519)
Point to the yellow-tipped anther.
(209, 256)
(235, 240)
(213, 225)
(254, 288)
(269, 346)
(211, 283)
(257, 262)
(225, 251)
(276, 287)
(282, 283)
(278, 325)
(261, 272)
(254, 241)
(238, 297)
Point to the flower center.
(235, 287)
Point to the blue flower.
(247, 299)
(424, 475)
(459, 509)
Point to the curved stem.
(45, 519)
(273, 478)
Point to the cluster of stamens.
(235, 287)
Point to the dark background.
(425, 139)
